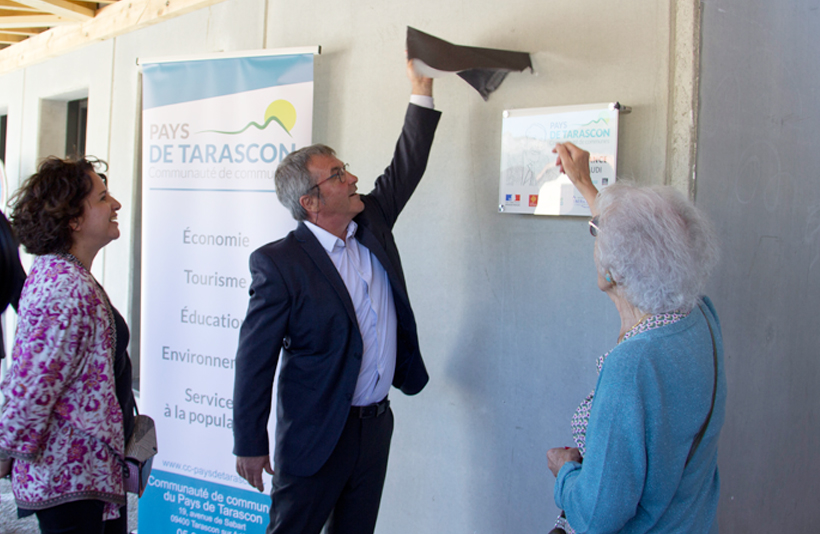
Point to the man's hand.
(558, 456)
(250, 468)
(421, 85)
(574, 162)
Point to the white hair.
(656, 245)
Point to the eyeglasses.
(593, 226)
(341, 174)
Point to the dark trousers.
(345, 493)
(81, 517)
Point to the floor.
(9, 524)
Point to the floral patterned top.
(61, 420)
(580, 419)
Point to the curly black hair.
(49, 200)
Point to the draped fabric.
(482, 68)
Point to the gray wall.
(509, 314)
(758, 170)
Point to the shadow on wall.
(520, 364)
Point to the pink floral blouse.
(61, 420)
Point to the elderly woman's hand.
(558, 456)
(574, 162)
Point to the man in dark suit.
(332, 297)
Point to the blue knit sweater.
(652, 397)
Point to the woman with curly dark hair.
(69, 407)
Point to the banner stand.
(213, 131)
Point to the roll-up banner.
(214, 129)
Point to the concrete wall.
(758, 179)
(509, 314)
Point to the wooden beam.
(61, 8)
(24, 31)
(10, 38)
(111, 21)
(32, 21)
(83, 3)
(8, 5)
(11, 12)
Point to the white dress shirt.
(369, 289)
(423, 101)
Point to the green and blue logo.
(280, 111)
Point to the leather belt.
(371, 410)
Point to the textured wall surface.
(758, 179)
(510, 317)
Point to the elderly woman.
(647, 436)
(68, 401)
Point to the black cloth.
(122, 375)
(81, 517)
(482, 68)
(12, 275)
(298, 301)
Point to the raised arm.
(395, 187)
(574, 162)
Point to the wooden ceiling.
(32, 31)
(21, 19)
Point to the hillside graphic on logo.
(602, 117)
(281, 112)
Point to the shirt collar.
(328, 240)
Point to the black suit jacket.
(299, 305)
(12, 275)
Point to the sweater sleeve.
(603, 493)
(46, 361)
